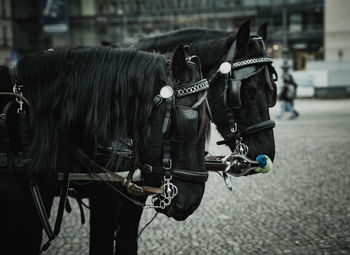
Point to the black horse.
(82, 104)
(241, 115)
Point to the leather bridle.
(167, 170)
(235, 72)
(240, 71)
(168, 190)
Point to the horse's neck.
(169, 41)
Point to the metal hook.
(234, 128)
(17, 89)
(241, 148)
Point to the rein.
(126, 182)
(16, 95)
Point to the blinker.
(268, 79)
(234, 93)
(166, 92)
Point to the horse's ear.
(243, 34)
(187, 50)
(178, 62)
(262, 31)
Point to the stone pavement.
(301, 207)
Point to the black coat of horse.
(85, 98)
(257, 93)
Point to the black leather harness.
(242, 70)
(10, 162)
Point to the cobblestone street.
(301, 207)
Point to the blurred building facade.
(124, 21)
(331, 76)
(6, 35)
(337, 30)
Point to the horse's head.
(241, 92)
(175, 144)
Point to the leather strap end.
(152, 190)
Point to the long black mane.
(88, 96)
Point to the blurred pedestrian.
(287, 97)
(291, 80)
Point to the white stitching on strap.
(251, 61)
(192, 89)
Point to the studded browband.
(192, 88)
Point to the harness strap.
(248, 131)
(38, 201)
(43, 217)
(25, 137)
(62, 203)
(7, 107)
(230, 86)
(231, 120)
(167, 163)
(208, 110)
(5, 137)
(37, 198)
(92, 165)
(232, 92)
(259, 127)
(191, 176)
(200, 100)
(74, 194)
(16, 95)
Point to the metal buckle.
(148, 168)
(167, 164)
(169, 192)
(241, 148)
(234, 128)
(17, 89)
